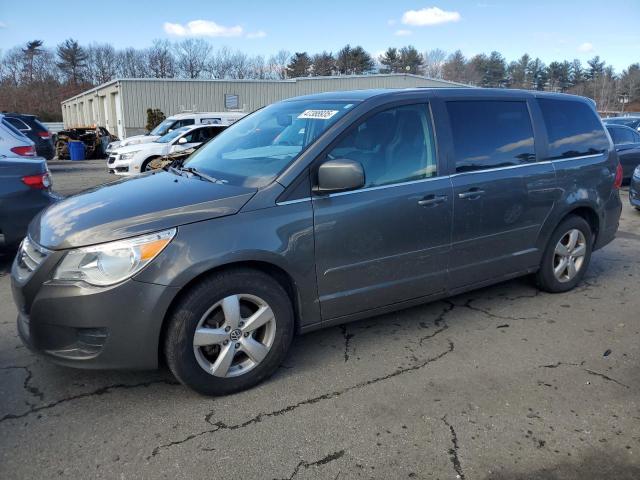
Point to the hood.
(138, 139)
(134, 206)
(139, 146)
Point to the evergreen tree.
(299, 66)
(72, 60)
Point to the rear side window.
(623, 136)
(573, 129)
(17, 123)
(183, 123)
(490, 134)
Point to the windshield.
(253, 151)
(173, 134)
(163, 128)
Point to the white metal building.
(121, 105)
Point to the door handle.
(471, 194)
(432, 200)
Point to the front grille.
(30, 257)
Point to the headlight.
(128, 155)
(636, 173)
(113, 262)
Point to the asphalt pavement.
(501, 383)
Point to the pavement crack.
(217, 426)
(323, 461)
(99, 391)
(562, 364)
(33, 390)
(609, 379)
(439, 322)
(453, 452)
(347, 340)
(468, 304)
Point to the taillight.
(44, 135)
(38, 182)
(24, 151)
(617, 182)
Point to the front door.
(389, 241)
(501, 195)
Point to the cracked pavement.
(501, 383)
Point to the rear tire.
(566, 257)
(211, 354)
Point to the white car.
(135, 159)
(176, 121)
(13, 143)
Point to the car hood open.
(134, 206)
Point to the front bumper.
(81, 326)
(119, 167)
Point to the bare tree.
(221, 63)
(192, 57)
(434, 60)
(278, 64)
(101, 63)
(160, 59)
(132, 63)
(259, 67)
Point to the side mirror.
(182, 140)
(339, 175)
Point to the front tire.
(229, 332)
(566, 257)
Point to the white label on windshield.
(318, 114)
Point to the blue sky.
(548, 29)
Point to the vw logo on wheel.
(235, 335)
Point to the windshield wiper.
(193, 171)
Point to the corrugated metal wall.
(175, 96)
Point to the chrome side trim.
(382, 187)
(582, 157)
(290, 202)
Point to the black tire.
(143, 167)
(545, 278)
(184, 318)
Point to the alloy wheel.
(569, 255)
(234, 335)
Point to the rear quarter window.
(573, 129)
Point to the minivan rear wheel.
(229, 332)
(566, 256)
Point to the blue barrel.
(76, 150)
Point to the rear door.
(389, 241)
(501, 195)
(627, 142)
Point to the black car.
(627, 143)
(632, 122)
(25, 189)
(313, 212)
(30, 126)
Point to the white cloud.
(402, 33)
(202, 28)
(585, 47)
(3, 25)
(429, 16)
(258, 34)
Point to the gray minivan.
(312, 212)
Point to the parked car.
(25, 189)
(627, 143)
(32, 128)
(13, 143)
(259, 236)
(134, 159)
(177, 121)
(630, 121)
(634, 188)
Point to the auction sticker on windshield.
(318, 114)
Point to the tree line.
(35, 78)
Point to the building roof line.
(255, 80)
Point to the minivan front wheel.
(229, 332)
(566, 257)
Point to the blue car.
(634, 188)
